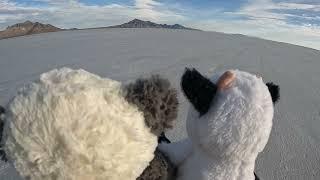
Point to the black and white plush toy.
(228, 125)
(74, 125)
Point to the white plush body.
(74, 125)
(223, 144)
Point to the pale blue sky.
(292, 21)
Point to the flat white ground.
(293, 151)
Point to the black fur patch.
(198, 89)
(274, 91)
(2, 110)
(256, 177)
(163, 139)
(2, 153)
(160, 168)
(157, 100)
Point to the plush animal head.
(157, 100)
(56, 127)
(231, 114)
(71, 124)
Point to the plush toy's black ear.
(198, 89)
(274, 91)
(2, 153)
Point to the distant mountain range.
(28, 27)
(137, 23)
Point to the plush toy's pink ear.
(198, 89)
(226, 80)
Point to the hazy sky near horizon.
(292, 21)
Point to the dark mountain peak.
(18, 25)
(137, 23)
(28, 24)
(178, 26)
(27, 28)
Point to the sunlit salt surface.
(124, 54)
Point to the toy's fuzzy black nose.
(198, 89)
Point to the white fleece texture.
(74, 125)
(227, 139)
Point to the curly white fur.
(223, 144)
(74, 125)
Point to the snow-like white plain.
(293, 150)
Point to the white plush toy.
(74, 125)
(228, 125)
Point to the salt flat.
(293, 151)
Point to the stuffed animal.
(159, 104)
(74, 125)
(228, 125)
